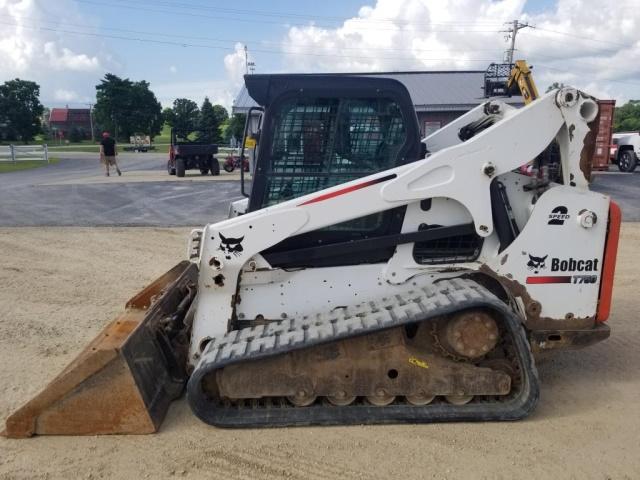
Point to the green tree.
(211, 119)
(186, 115)
(208, 123)
(235, 127)
(125, 107)
(221, 114)
(20, 110)
(76, 135)
(627, 117)
(146, 114)
(167, 115)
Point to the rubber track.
(442, 298)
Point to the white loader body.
(557, 262)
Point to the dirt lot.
(60, 285)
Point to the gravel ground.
(61, 285)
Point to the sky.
(196, 48)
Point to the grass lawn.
(96, 148)
(165, 135)
(161, 142)
(51, 142)
(75, 147)
(6, 167)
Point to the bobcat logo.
(230, 246)
(536, 263)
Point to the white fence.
(20, 153)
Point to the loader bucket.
(125, 379)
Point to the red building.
(63, 120)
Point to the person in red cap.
(108, 152)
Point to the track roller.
(420, 399)
(341, 399)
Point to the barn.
(62, 121)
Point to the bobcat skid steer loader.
(370, 277)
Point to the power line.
(280, 52)
(262, 21)
(579, 36)
(277, 14)
(244, 41)
(230, 49)
(482, 27)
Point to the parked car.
(192, 149)
(625, 150)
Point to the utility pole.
(249, 67)
(511, 32)
(91, 120)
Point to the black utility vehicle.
(192, 149)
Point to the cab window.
(322, 142)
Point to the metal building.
(438, 96)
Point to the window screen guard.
(322, 142)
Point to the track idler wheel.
(459, 399)
(420, 399)
(341, 399)
(471, 334)
(381, 398)
(302, 399)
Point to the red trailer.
(603, 139)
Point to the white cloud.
(31, 48)
(235, 67)
(465, 34)
(63, 95)
(218, 91)
(66, 59)
(406, 34)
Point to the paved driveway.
(624, 188)
(76, 192)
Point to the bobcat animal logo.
(536, 263)
(230, 246)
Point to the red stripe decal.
(557, 279)
(350, 189)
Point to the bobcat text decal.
(562, 265)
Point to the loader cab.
(318, 131)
